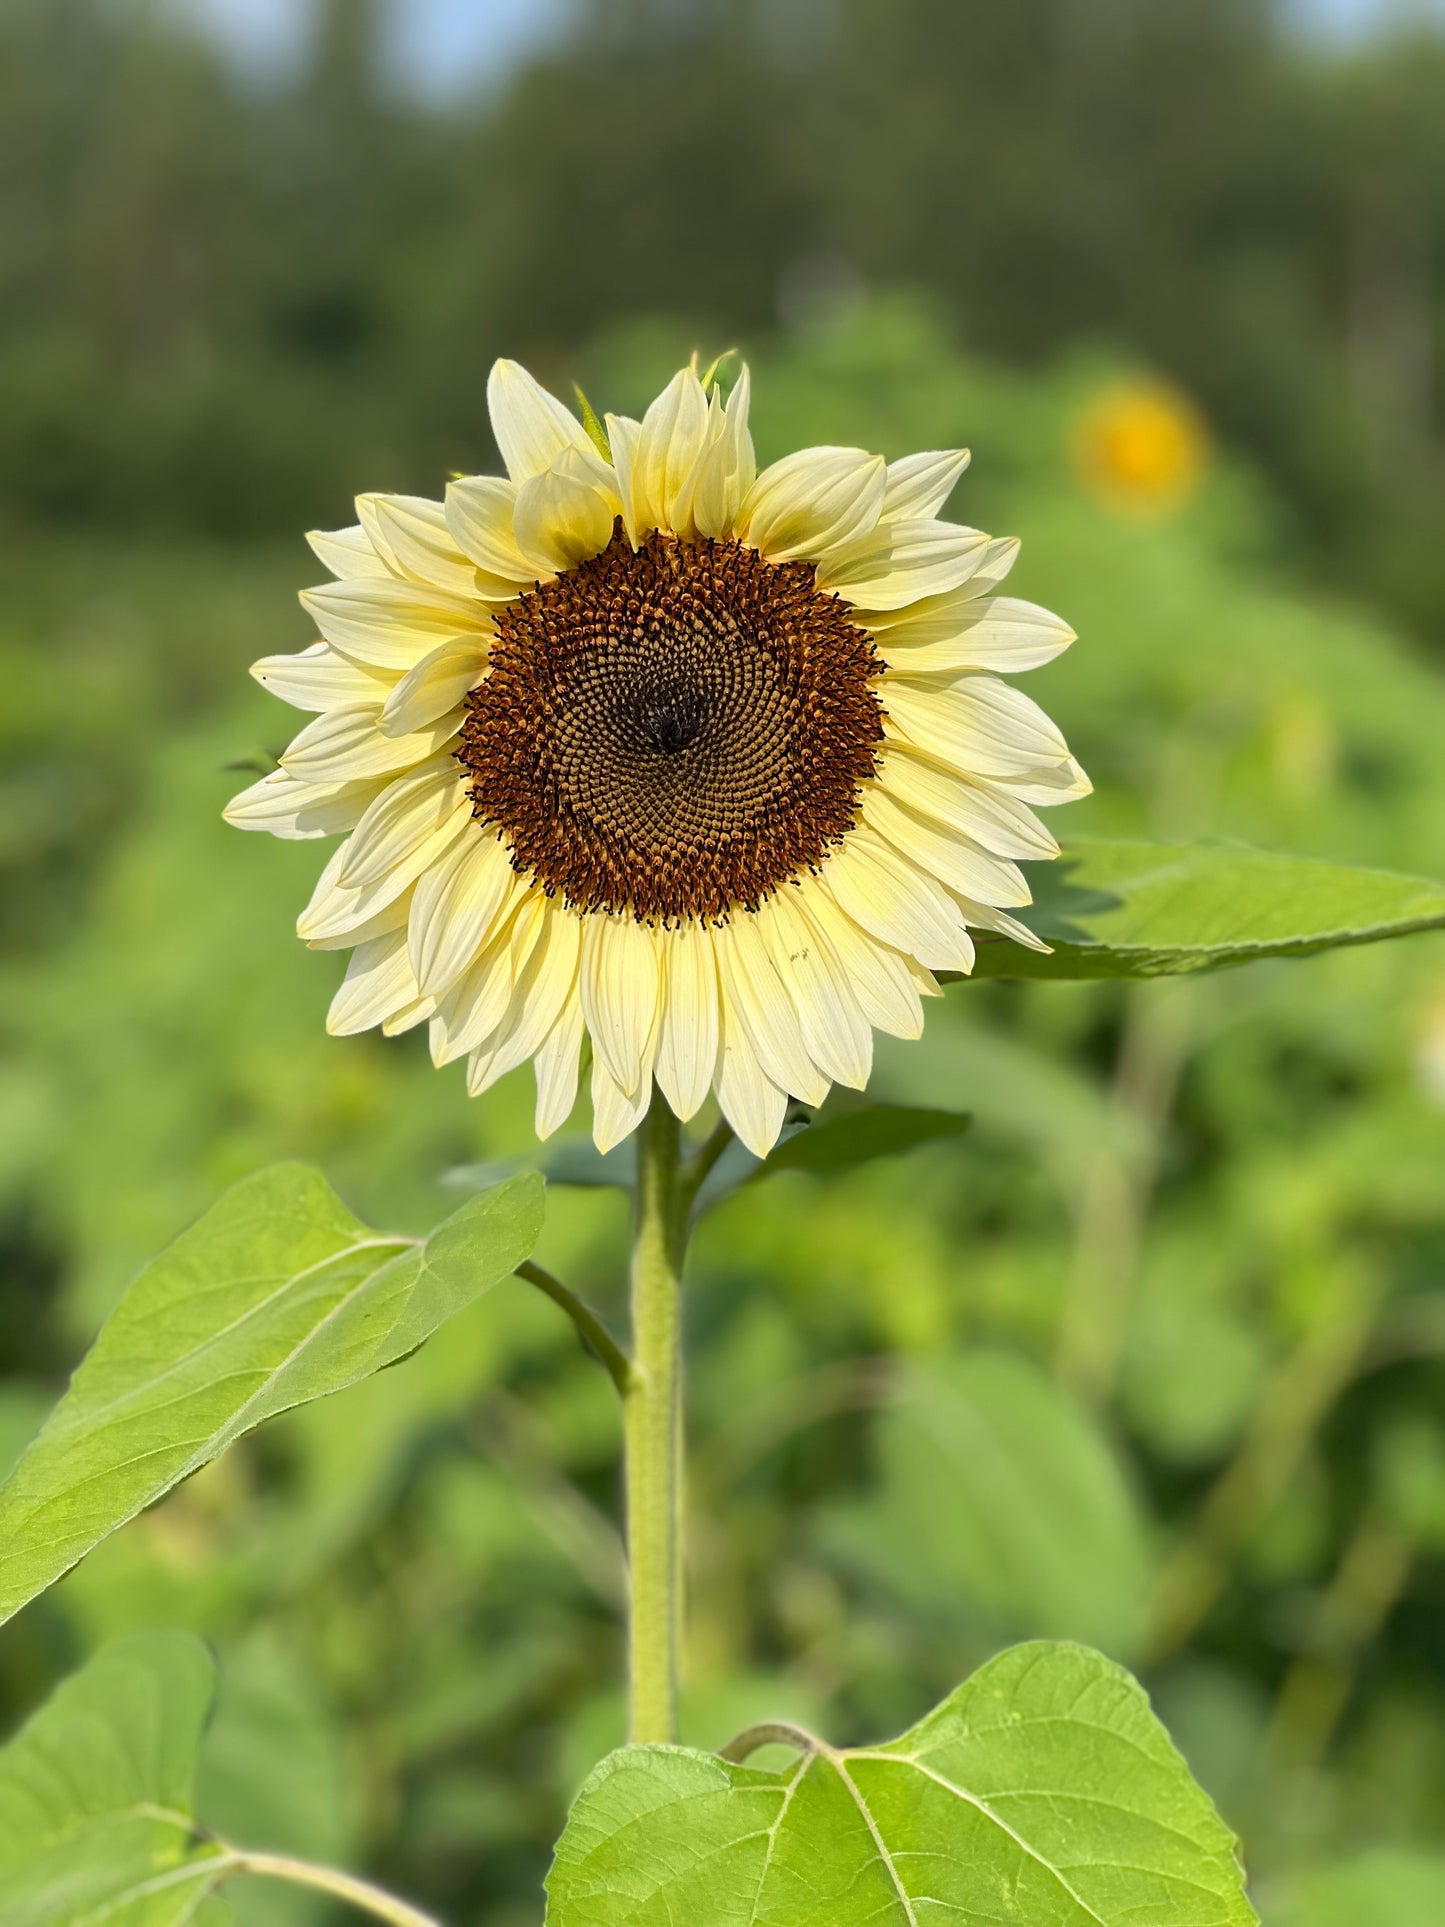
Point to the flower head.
(712, 766)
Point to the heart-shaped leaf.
(1133, 909)
(1043, 1793)
(278, 1296)
(95, 1794)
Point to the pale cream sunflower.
(713, 767)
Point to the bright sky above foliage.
(445, 45)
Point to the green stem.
(343, 1886)
(594, 1334)
(653, 1430)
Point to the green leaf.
(95, 1794)
(278, 1296)
(999, 1498)
(858, 1135)
(1132, 909)
(1043, 1792)
(838, 1139)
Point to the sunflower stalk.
(653, 1428)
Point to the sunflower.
(712, 767)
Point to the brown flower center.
(675, 731)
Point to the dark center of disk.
(672, 732)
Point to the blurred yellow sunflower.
(1141, 447)
(713, 766)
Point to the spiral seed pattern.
(672, 732)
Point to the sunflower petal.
(459, 905)
(347, 745)
(836, 1033)
(321, 678)
(412, 535)
(286, 806)
(813, 502)
(565, 513)
(347, 553)
(620, 982)
(378, 982)
(687, 1044)
(435, 686)
(919, 485)
(557, 1066)
(391, 625)
(532, 427)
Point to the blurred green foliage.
(1191, 1247)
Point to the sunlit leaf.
(1130, 909)
(278, 1296)
(1043, 1792)
(95, 1794)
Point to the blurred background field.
(1163, 1340)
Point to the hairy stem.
(653, 1430)
(343, 1886)
(594, 1334)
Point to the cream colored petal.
(727, 467)
(392, 625)
(1058, 783)
(907, 562)
(894, 902)
(835, 1031)
(557, 1068)
(412, 536)
(750, 1101)
(435, 687)
(532, 427)
(409, 1016)
(624, 438)
(984, 811)
(976, 724)
(621, 982)
(458, 906)
(996, 632)
(951, 857)
(565, 514)
(812, 502)
(347, 553)
(479, 512)
(406, 819)
(753, 989)
(378, 982)
(321, 678)
(935, 618)
(544, 987)
(985, 916)
(285, 806)
(336, 912)
(347, 745)
(616, 1113)
(663, 461)
(391, 916)
(687, 1044)
(885, 986)
(470, 1011)
(919, 485)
